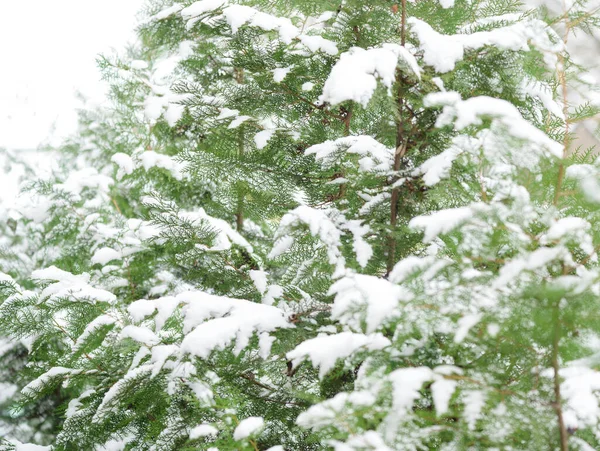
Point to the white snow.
(543, 92)
(375, 157)
(265, 342)
(226, 236)
(7, 391)
(259, 278)
(532, 261)
(409, 266)
(441, 391)
(564, 227)
(104, 255)
(261, 139)
(239, 15)
(355, 75)
(440, 222)
(378, 298)
(325, 350)
(88, 177)
(248, 427)
(370, 440)
(167, 12)
(280, 73)
(38, 384)
(446, 3)
(581, 389)
(406, 383)
(444, 51)
(113, 392)
(164, 306)
(150, 159)
(474, 401)
(587, 176)
(361, 247)
(68, 285)
(308, 86)
(203, 430)
(115, 444)
(201, 7)
(438, 167)
(215, 322)
(464, 326)
(282, 245)
(225, 113)
(464, 113)
(238, 121)
(141, 309)
(30, 447)
(102, 320)
(139, 65)
(320, 226)
(319, 43)
(125, 164)
(141, 335)
(321, 415)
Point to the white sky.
(48, 50)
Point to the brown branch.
(313, 105)
(251, 378)
(401, 148)
(116, 205)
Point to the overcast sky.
(47, 52)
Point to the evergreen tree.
(316, 225)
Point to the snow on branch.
(67, 285)
(214, 322)
(464, 113)
(374, 156)
(237, 16)
(444, 51)
(355, 75)
(327, 226)
(365, 298)
(325, 350)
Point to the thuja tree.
(316, 225)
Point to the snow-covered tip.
(355, 75)
(374, 156)
(70, 286)
(440, 222)
(319, 43)
(163, 14)
(442, 52)
(203, 430)
(201, 7)
(376, 299)
(324, 351)
(248, 427)
(464, 113)
(588, 177)
(38, 384)
(104, 255)
(124, 163)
